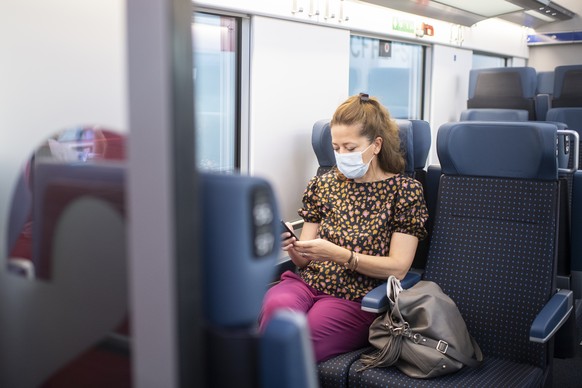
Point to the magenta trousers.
(337, 325)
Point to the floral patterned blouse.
(360, 217)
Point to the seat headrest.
(568, 81)
(414, 142)
(568, 84)
(321, 143)
(491, 114)
(499, 149)
(503, 82)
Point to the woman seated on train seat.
(363, 220)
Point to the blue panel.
(555, 37)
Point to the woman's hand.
(321, 250)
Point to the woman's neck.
(374, 174)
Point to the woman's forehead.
(342, 133)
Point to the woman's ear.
(378, 141)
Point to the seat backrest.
(567, 86)
(493, 243)
(406, 132)
(422, 141)
(545, 83)
(503, 88)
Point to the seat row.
(492, 249)
(475, 224)
(521, 93)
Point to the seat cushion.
(494, 372)
(333, 373)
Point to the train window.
(216, 79)
(390, 71)
(484, 61)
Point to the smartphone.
(286, 229)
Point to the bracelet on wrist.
(356, 262)
(348, 263)
(353, 261)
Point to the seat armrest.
(552, 316)
(543, 103)
(376, 301)
(286, 353)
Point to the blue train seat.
(485, 242)
(503, 88)
(567, 86)
(415, 136)
(572, 117)
(576, 241)
(236, 276)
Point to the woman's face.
(348, 138)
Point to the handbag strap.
(444, 348)
(393, 288)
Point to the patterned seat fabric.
(333, 373)
(487, 375)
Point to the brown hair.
(375, 121)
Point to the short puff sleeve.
(410, 212)
(312, 202)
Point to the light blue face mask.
(352, 164)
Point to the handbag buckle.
(442, 346)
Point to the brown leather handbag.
(423, 334)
